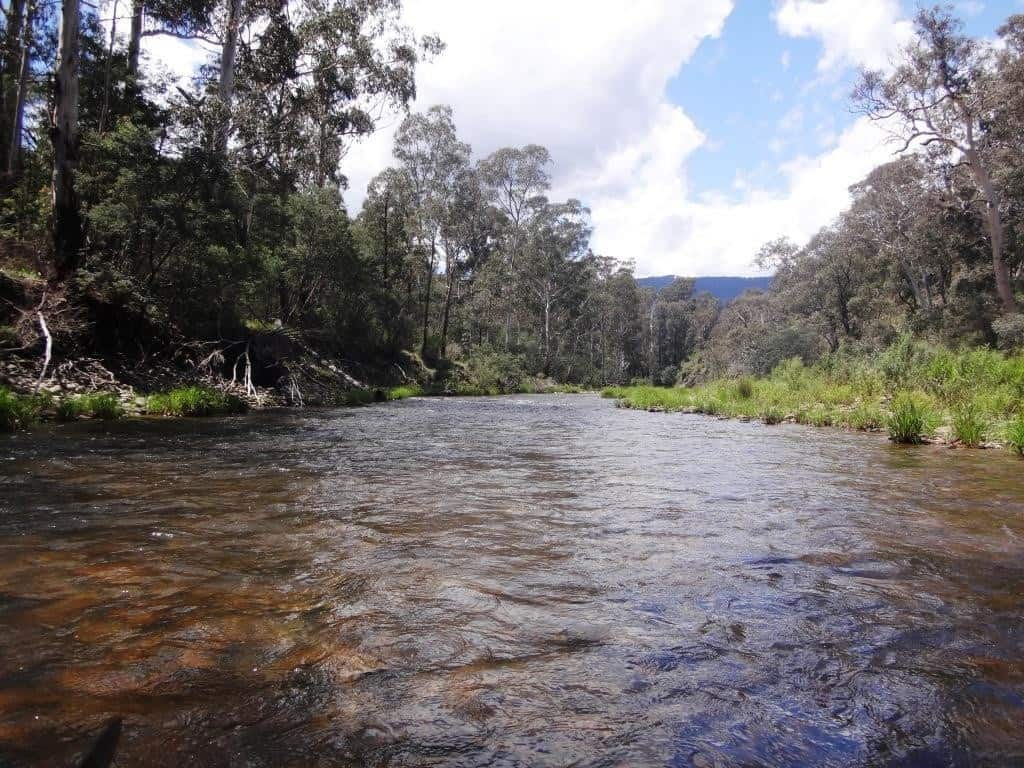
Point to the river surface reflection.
(540, 580)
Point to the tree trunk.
(996, 233)
(135, 42)
(447, 309)
(13, 36)
(107, 70)
(426, 300)
(547, 334)
(67, 221)
(13, 167)
(226, 84)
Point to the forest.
(156, 234)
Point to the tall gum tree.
(67, 218)
(941, 97)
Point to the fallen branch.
(49, 345)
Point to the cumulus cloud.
(584, 79)
(668, 232)
(861, 33)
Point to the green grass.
(358, 397)
(1015, 435)
(404, 391)
(195, 401)
(969, 426)
(909, 389)
(17, 411)
(103, 405)
(909, 420)
(70, 409)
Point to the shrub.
(745, 388)
(772, 415)
(969, 426)
(195, 401)
(1015, 435)
(16, 411)
(910, 420)
(865, 417)
(70, 408)
(103, 405)
(404, 391)
(1009, 330)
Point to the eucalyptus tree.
(515, 178)
(556, 241)
(436, 162)
(67, 218)
(944, 96)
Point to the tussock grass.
(1015, 435)
(194, 401)
(405, 391)
(908, 389)
(969, 426)
(17, 411)
(909, 421)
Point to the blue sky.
(758, 96)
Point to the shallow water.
(540, 580)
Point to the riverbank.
(22, 411)
(914, 392)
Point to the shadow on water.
(507, 581)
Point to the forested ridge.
(150, 226)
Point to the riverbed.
(513, 581)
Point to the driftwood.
(49, 349)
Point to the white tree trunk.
(64, 134)
(996, 233)
(228, 54)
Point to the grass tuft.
(910, 421)
(969, 426)
(405, 391)
(17, 411)
(1015, 435)
(195, 401)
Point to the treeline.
(217, 209)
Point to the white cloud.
(582, 78)
(668, 233)
(861, 33)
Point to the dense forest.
(145, 220)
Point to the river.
(515, 581)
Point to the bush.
(910, 420)
(492, 372)
(70, 409)
(969, 426)
(16, 411)
(865, 417)
(356, 397)
(404, 391)
(1015, 435)
(195, 401)
(103, 405)
(745, 388)
(772, 415)
(1009, 330)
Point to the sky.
(694, 130)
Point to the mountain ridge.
(725, 288)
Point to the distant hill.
(722, 288)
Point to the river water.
(517, 581)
